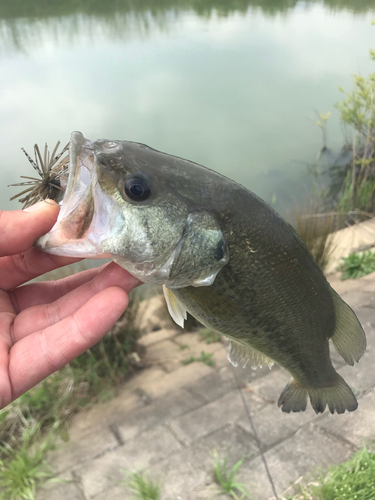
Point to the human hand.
(45, 325)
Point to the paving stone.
(211, 417)
(60, 491)
(271, 386)
(220, 358)
(168, 382)
(308, 449)
(160, 411)
(356, 427)
(222, 381)
(116, 493)
(165, 354)
(344, 286)
(356, 298)
(273, 426)
(106, 471)
(102, 414)
(82, 447)
(361, 376)
(158, 336)
(188, 472)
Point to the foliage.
(205, 358)
(314, 230)
(353, 480)
(143, 486)
(358, 110)
(23, 466)
(209, 336)
(226, 479)
(357, 265)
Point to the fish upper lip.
(81, 170)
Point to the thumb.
(20, 228)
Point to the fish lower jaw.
(57, 243)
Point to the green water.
(233, 85)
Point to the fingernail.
(40, 205)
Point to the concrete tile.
(271, 386)
(361, 376)
(222, 381)
(356, 298)
(187, 472)
(309, 448)
(81, 448)
(181, 377)
(273, 426)
(357, 427)
(106, 471)
(159, 412)
(60, 491)
(104, 413)
(116, 493)
(211, 417)
(158, 336)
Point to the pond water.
(233, 85)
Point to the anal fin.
(176, 309)
(238, 353)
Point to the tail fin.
(348, 338)
(338, 396)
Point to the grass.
(23, 466)
(209, 336)
(92, 377)
(352, 480)
(205, 358)
(314, 230)
(357, 265)
(143, 486)
(225, 478)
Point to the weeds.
(205, 358)
(23, 466)
(352, 480)
(143, 486)
(226, 479)
(209, 336)
(357, 265)
(314, 230)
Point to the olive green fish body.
(220, 253)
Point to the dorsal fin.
(238, 353)
(176, 309)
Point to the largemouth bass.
(221, 254)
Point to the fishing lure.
(53, 172)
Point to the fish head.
(133, 204)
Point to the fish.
(220, 253)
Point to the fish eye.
(137, 189)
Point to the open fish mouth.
(79, 227)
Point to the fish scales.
(221, 253)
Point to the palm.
(45, 325)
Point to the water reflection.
(230, 85)
(21, 21)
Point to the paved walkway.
(171, 416)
